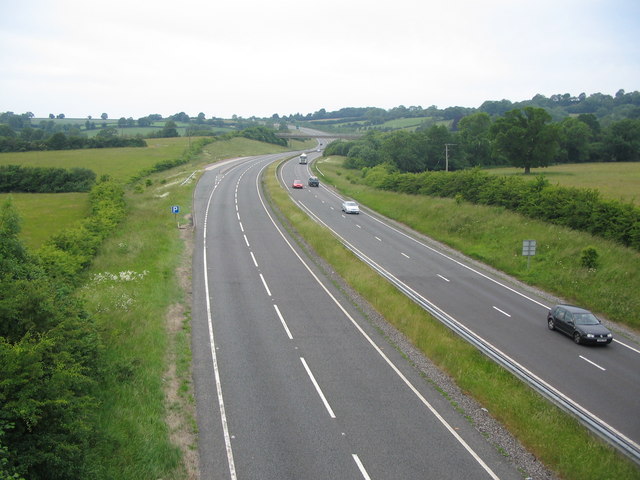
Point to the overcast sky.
(260, 57)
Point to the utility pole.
(446, 155)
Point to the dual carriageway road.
(293, 382)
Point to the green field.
(45, 214)
(397, 124)
(616, 181)
(80, 123)
(119, 163)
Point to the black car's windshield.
(585, 319)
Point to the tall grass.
(557, 439)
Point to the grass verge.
(558, 440)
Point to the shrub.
(589, 258)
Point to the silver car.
(350, 207)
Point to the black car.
(314, 182)
(580, 324)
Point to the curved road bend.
(291, 381)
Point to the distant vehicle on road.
(314, 182)
(303, 159)
(350, 207)
(580, 324)
(297, 184)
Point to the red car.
(297, 184)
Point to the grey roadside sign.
(528, 249)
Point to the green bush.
(16, 178)
(49, 362)
(589, 257)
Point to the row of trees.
(107, 138)
(16, 178)
(606, 108)
(524, 138)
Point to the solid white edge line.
(214, 358)
(318, 389)
(625, 345)
(364, 473)
(284, 324)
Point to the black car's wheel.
(550, 324)
(577, 338)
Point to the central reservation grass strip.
(557, 439)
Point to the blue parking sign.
(175, 209)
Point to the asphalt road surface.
(292, 382)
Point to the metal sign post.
(528, 250)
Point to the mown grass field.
(46, 213)
(119, 163)
(615, 181)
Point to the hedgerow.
(16, 178)
(577, 208)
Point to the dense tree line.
(606, 108)
(50, 359)
(10, 141)
(16, 178)
(525, 138)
